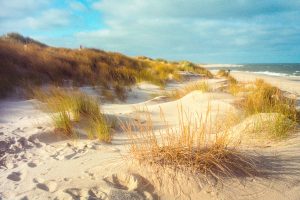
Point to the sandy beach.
(35, 164)
(289, 84)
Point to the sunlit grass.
(178, 93)
(190, 148)
(99, 128)
(67, 107)
(112, 71)
(265, 98)
(63, 124)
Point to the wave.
(222, 65)
(271, 73)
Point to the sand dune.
(35, 164)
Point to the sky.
(202, 31)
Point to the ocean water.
(290, 70)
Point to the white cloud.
(206, 30)
(17, 8)
(47, 19)
(75, 5)
(196, 30)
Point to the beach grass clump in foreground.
(178, 93)
(68, 107)
(189, 149)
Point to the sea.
(274, 69)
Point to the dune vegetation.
(29, 62)
(68, 108)
(190, 149)
(261, 97)
(178, 93)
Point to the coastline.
(289, 84)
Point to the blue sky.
(205, 31)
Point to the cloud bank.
(231, 31)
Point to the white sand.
(290, 84)
(35, 164)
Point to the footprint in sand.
(69, 153)
(31, 164)
(91, 175)
(92, 194)
(49, 186)
(133, 186)
(15, 176)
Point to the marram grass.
(68, 107)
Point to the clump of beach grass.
(68, 107)
(270, 126)
(99, 128)
(63, 123)
(84, 105)
(189, 149)
(178, 93)
(265, 98)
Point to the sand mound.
(249, 126)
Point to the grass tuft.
(200, 86)
(265, 98)
(69, 106)
(98, 128)
(63, 124)
(188, 149)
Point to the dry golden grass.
(269, 99)
(39, 64)
(190, 148)
(68, 107)
(261, 97)
(99, 128)
(265, 98)
(191, 67)
(276, 127)
(222, 73)
(63, 123)
(178, 93)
